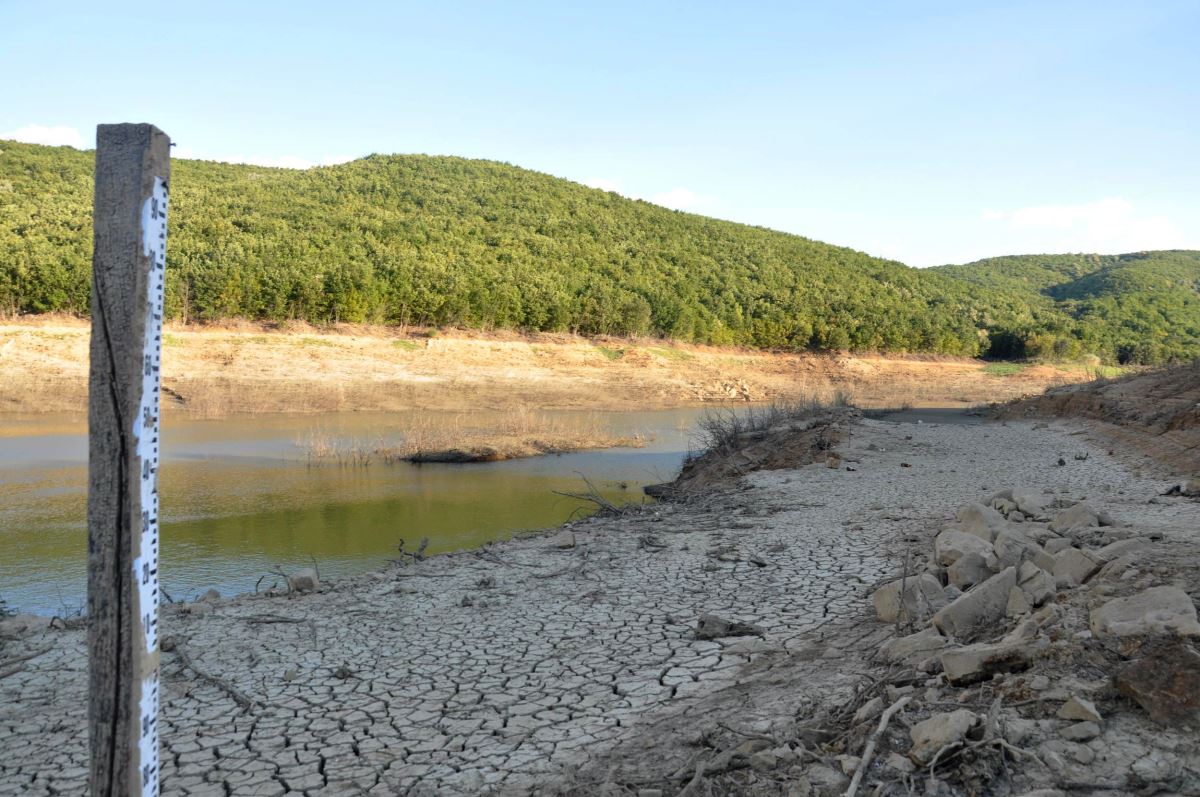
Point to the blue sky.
(927, 132)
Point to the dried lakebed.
(552, 660)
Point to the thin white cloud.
(52, 136)
(1105, 225)
(681, 199)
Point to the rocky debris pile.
(1022, 646)
(1041, 650)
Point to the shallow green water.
(238, 498)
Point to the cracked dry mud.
(577, 662)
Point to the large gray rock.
(914, 648)
(1012, 547)
(1120, 548)
(938, 731)
(1078, 518)
(1159, 610)
(968, 570)
(952, 544)
(981, 521)
(922, 596)
(1075, 564)
(983, 606)
(1032, 502)
(1037, 584)
(978, 662)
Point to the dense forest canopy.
(441, 241)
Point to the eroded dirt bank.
(571, 663)
(211, 372)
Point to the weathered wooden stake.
(130, 228)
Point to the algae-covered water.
(239, 497)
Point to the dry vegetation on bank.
(212, 372)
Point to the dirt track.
(533, 667)
(212, 372)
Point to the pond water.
(239, 497)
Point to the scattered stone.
(826, 779)
(210, 596)
(968, 570)
(914, 647)
(709, 626)
(1165, 683)
(1080, 732)
(1075, 564)
(983, 605)
(872, 708)
(305, 580)
(563, 540)
(1156, 766)
(922, 597)
(1079, 709)
(848, 763)
(978, 662)
(1153, 611)
(1039, 683)
(938, 731)
(951, 545)
(899, 763)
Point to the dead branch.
(246, 703)
(872, 742)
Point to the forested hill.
(446, 241)
(1142, 307)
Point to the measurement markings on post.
(146, 432)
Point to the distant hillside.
(440, 241)
(1135, 308)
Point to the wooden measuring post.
(130, 228)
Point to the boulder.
(1159, 610)
(1056, 544)
(922, 596)
(1012, 547)
(1115, 550)
(952, 544)
(210, 596)
(305, 580)
(1080, 710)
(968, 570)
(1037, 583)
(1165, 683)
(1031, 502)
(1075, 564)
(914, 648)
(938, 731)
(981, 521)
(1078, 518)
(984, 605)
(1018, 603)
(978, 662)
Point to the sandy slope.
(212, 372)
